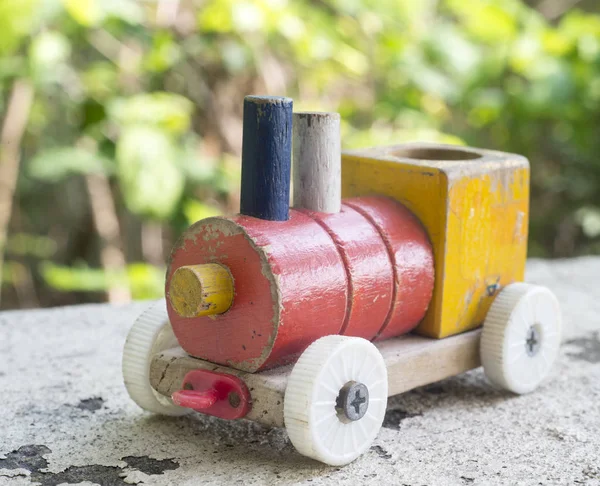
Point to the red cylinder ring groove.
(368, 269)
(412, 260)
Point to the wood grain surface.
(317, 161)
(411, 361)
(266, 157)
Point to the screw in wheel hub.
(352, 402)
(533, 341)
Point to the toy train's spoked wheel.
(150, 334)
(336, 399)
(521, 336)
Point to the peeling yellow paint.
(476, 214)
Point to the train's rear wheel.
(521, 337)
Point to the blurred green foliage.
(147, 97)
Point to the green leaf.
(55, 164)
(216, 17)
(78, 279)
(129, 11)
(91, 13)
(48, 55)
(17, 19)
(143, 280)
(197, 168)
(196, 210)
(12, 66)
(170, 112)
(388, 136)
(26, 244)
(454, 52)
(49, 49)
(100, 80)
(247, 16)
(490, 21)
(589, 219)
(151, 180)
(164, 54)
(86, 12)
(146, 281)
(487, 106)
(235, 56)
(228, 175)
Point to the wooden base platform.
(411, 361)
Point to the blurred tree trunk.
(152, 243)
(107, 226)
(553, 10)
(13, 128)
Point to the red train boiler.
(365, 271)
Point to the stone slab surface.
(65, 417)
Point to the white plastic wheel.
(150, 334)
(521, 337)
(315, 426)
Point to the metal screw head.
(352, 402)
(234, 399)
(533, 342)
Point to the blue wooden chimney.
(266, 157)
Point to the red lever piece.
(198, 400)
(218, 394)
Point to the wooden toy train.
(299, 317)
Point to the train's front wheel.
(151, 333)
(335, 399)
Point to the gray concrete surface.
(65, 417)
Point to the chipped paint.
(208, 237)
(476, 215)
(587, 348)
(31, 458)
